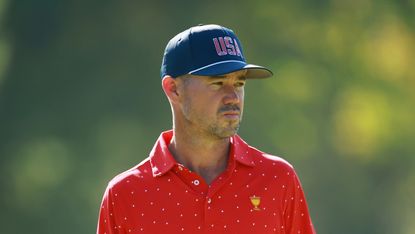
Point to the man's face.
(213, 104)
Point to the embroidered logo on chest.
(255, 201)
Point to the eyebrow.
(241, 77)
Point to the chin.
(226, 133)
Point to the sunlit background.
(81, 101)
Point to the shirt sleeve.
(106, 221)
(296, 215)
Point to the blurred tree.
(80, 101)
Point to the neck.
(206, 156)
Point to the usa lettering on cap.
(227, 45)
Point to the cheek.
(208, 106)
(201, 106)
(241, 97)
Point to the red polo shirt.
(257, 193)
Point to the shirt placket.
(191, 179)
(214, 201)
(198, 187)
(207, 193)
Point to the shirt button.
(209, 200)
(196, 182)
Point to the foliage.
(80, 101)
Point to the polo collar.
(162, 160)
(240, 151)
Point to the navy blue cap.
(207, 50)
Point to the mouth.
(231, 114)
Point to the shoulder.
(275, 169)
(268, 161)
(132, 176)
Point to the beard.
(230, 129)
(227, 128)
(217, 127)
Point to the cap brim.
(253, 71)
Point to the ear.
(169, 85)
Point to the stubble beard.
(217, 129)
(221, 132)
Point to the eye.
(240, 84)
(217, 83)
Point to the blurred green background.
(81, 101)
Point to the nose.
(232, 96)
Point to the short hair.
(185, 78)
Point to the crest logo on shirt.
(255, 202)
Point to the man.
(201, 177)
